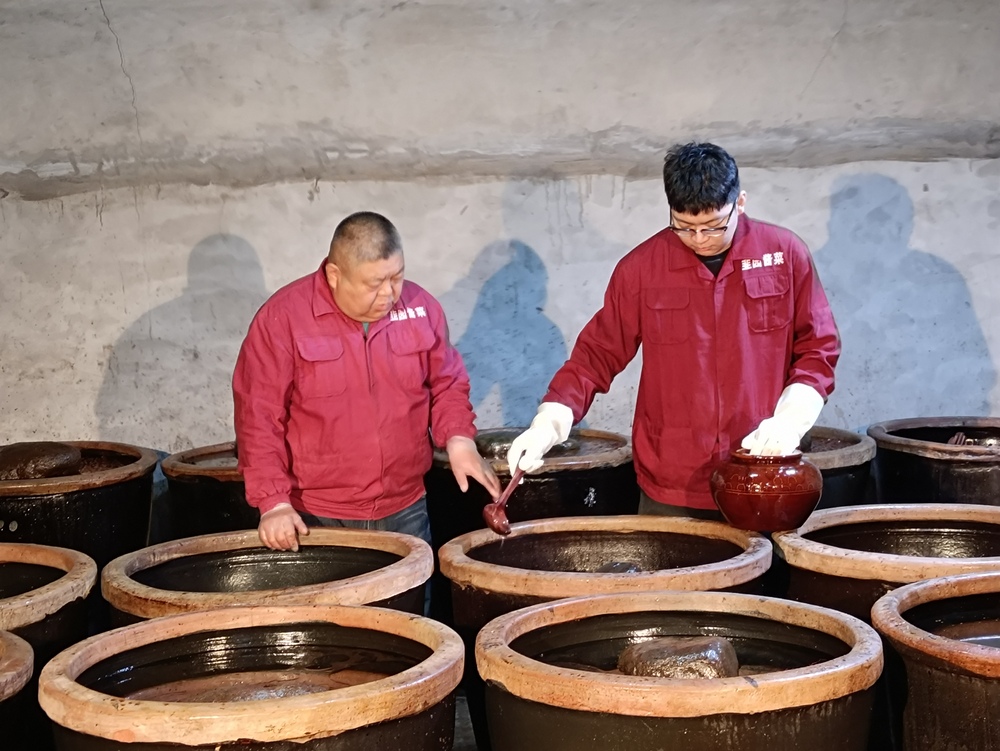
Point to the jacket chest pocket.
(666, 315)
(410, 342)
(769, 304)
(321, 370)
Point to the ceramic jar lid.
(584, 449)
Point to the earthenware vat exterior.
(706, 556)
(44, 602)
(207, 494)
(821, 702)
(333, 567)
(952, 687)
(102, 513)
(915, 464)
(844, 458)
(590, 475)
(409, 709)
(848, 558)
(16, 664)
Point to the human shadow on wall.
(167, 381)
(509, 343)
(912, 345)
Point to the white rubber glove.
(551, 425)
(797, 410)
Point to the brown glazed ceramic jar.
(766, 493)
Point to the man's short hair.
(364, 237)
(700, 177)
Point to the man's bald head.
(362, 238)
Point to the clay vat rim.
(295, 718)
(37, 604)
(17, 660)
(855, 564)
(882, 433)
(663, 697)
(752, 562)
(849, 456)
(603, 459)
(888, 619)
(129, 596)
(145, 463)
(179, 466)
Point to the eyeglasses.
(706, 231)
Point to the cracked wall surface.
(120, 93)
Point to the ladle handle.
(515, 480)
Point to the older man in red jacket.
(339, 378)
(739, 344)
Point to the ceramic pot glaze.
(43, 600)
(207, 494)
(332, 567)
(552, 559)
(312, 678)
(766, 493)
(844, 458)
(947, 633)
(848, 558)
(916, 464)
(16, 666)
(807, 680)
(102, 512)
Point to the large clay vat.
(43, 600)
(312, 678)
(848, 558)
(806, 682)
(103, 511)
(556, 558)
(589, 475)
(916, 464)
(947, 632)
(332, 567)
(16, 663)
(207, 494)
(844, 458)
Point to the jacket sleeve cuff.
(270, 502)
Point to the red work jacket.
(716, 351)
(334, 422)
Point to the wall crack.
(131, 84)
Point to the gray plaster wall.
(124, 309)
(166, 166)
(134, 92)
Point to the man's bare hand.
(279, 528)
(466, 462)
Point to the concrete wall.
(123, 310)
(140, 92)
(165, 166)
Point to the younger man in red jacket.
(339, 378)
(738, 341)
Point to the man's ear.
(333, 274)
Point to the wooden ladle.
(495, 514)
